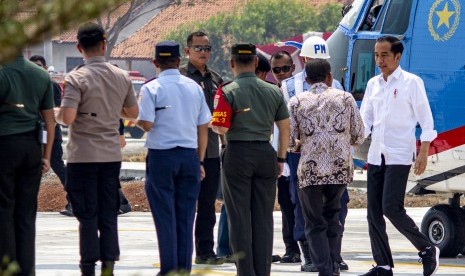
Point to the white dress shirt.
(390, 111)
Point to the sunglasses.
(199, 48)
(285, 69)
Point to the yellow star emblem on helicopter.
(444, 16)
(439, 14)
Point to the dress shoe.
(343, 266)
(291, 258)
(229, 259)
(209, 260)
(275, 258)
(68, 211)
(124, 208)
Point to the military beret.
(263, 64)
(167, 49)
(90, 33)
(243, 49)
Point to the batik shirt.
(327, 122)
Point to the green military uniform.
(250, 168)
(25, 90)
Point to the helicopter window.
(372, 15)
(381, 16)
(362, 67)
(351, 13)
(397, 17)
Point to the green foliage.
(259, 22)
(8, 268)
(27, 22)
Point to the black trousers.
(386, 186)
(20, 173)
(206, 217)
(93, 192)
(250, 170)
(287, 213)
(320, 208)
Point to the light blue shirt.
(176, 105)
(290, 84)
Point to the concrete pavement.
(57, 248)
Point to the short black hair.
(317, 70)
(263, 64)
(38, 58)
(396, 44)
(167, 62)
(280, 55)
(190, 37)
(90, 36)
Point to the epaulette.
(224, 84)
(154, 78)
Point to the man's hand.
(45, 165)
(122, 141)
(280, 169)
(202, 172)
(422, 159)
(420, 164)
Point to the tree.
(116, 19)
(27, 22)
(260, 22)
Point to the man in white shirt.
(394, 102)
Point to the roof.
(141, 44)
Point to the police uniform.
(248, 107)
(98, 92)
(176, 106)
(206, 217)
(291, 87)
(25, 90)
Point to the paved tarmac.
(57, 248)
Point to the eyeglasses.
(199, 48)
(285, 69)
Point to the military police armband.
(222, 113)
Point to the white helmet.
(315, 47)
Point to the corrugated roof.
(141, 44)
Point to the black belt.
(249, 142)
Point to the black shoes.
(378, 271)
(275, 258)
(68, 211)
(209, 260)
(430, 259)
(124, 208)
(291, 258)
(343, 266)
(229, 259)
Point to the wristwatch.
(281, 160)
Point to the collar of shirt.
(194, 71)
(306, 85)
(94, 59)
(246, 75)
(395, 75)
(318, 88)
(169, 72)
